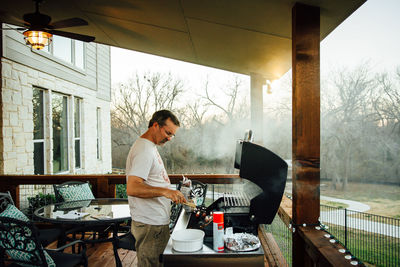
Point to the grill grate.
(236, 199)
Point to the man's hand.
(175, 195)
(136, 187)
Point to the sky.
(371, 34)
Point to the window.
(98, 133)
(38, 131)
(68, 50)
(66, 139)
(60, 132)
(62, 48)
(77, 131)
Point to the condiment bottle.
(218, 231)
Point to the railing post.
(345, 227)
(104, 189)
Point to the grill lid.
(268, 171)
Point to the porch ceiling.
(235, 35)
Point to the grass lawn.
(384, 200)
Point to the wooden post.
(103, 189)
(256, 105)
(305, 123)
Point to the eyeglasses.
(169, 134)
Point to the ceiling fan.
(38, 26)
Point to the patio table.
(84, 215)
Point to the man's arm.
(136, 187)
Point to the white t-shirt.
(145, 162)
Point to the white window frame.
(68, 135)
(44, 130)
(72, 64)
(80, 100)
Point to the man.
(148, 190)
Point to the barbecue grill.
(264, 176)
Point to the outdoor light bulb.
(326, 227)
(327, 235)
(348, 257)
(332, 241)
(342, 250)
(304, 225)
(37, 39)
(294, 229)
(354, 262)
(317, 227)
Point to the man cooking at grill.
(148, 190)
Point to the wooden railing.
(320, 250)
(103, 185)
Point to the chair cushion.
(12, 212)
(76, 192)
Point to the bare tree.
(134, 102)
(233, 109)
(388, 102)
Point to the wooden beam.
(305, 122)
(285, 210)
(321, 251)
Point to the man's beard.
(162, 142)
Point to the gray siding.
(103, 72)
(16, 50)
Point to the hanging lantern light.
(37, 39)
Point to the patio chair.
(199, 191)
(125, 241)
(46, 236)
(72, 191)
(79, 191)
(19, 240)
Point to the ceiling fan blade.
(72, 22)
(15, 29)
(10, 19)
(80, 37)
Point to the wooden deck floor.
(100, 255)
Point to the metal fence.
(371, 238)
(282, 236)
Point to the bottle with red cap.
(218, 231)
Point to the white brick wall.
(18, 81)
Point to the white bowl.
(187, 240)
